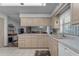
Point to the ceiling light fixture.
(23, 4)
(33, 4)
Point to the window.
(65, 26)
(65, 22)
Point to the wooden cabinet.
(74, 13)
(50, 46)
(25, 21)
(53, 47)
(32, 21)
(21, 44)
(21, 40)
(33, 41)
(27, 43)
(40, 41)
(43, 41)
(65, 51)
(55, 22)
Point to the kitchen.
(57, 33)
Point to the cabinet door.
(21, 44)
(28, 42)
(34, 41)
(55, 22)
(40, 42)
(33, 21)
(74, 12)
(45, 41)
(25, 21)
(53, 47)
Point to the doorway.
(12, 36)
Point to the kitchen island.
(33, 41)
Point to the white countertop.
(71, 42)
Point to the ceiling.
(15, 11)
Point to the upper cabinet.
(55, 22)
(46, 21)
(70, 16)
(35, 21)
(75, 13)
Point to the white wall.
(5, 32)
(5, 29)
(48, 29)
(7, 21)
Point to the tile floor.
(14, 51)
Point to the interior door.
(1, 31)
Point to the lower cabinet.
(53, 47)
(27, 43)
(43, 42)
(58, 49)
(65, 51)
(33, 41)
(21, 44)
